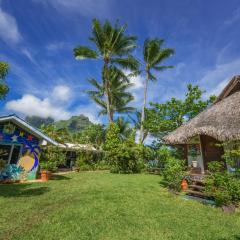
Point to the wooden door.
(210, 150)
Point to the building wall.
(27, 161)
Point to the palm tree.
(113, 47)
(154, 55)
(4, 89)
(118, 96)
(124, 127)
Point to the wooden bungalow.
(217, 124)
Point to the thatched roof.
(220, 121)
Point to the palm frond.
(161, 68)
(128, 63)
(83, 52)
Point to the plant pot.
(45, 175)
(184, 185)
(194, 164)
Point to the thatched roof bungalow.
(218, 123)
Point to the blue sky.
(37, 38)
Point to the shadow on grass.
(59, 177)
(235, 237)
(21, 190)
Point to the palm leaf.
(83, 52)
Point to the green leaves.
(154, 55)
(4, 89)
(166, 117)
(118, 94)
(83, 52)
(128, 63)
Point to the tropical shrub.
(173, 173)
(123, 156)
(52, 157)
(222, 185)
(90, 160)
(49, 166)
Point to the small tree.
(173, 173)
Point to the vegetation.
(119, 97)
(222, 185)
(173, 173)
(4, 89)
(93, 134)
(153, 55)
(113, 47)
(108, 206)
(51, 158)
(90, 160)
(74, 124)
(163, 118)
(123, 155)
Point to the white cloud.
(28, 54)
(235, 17)
(216, 79)
(90, 111)
(8, 28)
(55, 46)
(31, 105)
(51, 106)
(55, 106)
(61, 93)
(137, 88)
(84, 7)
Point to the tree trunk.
(106, 90)
(141, 137)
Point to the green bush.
(89, 160)
(123, 156)
(49, 166)
(173, 173)
(51, 157)
(222, 185)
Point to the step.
(197, 193)
(198, 187)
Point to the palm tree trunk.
(106, 83)
(141, 137)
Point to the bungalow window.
(10, 153)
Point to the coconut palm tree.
(118, 97)
(153, 55)
(4, 89)
(124, 127)
(113, 47)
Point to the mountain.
(36, 121)
(74, 124)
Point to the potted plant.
(46, 170)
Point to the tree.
(119, 97)
(93, 134)
(4, 89)
(166, 117)
(60, 135)
(125, 130)
(112, 47)
(153, 55)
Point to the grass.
(94, 205)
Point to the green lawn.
(108, 206)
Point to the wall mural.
(30, 150)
